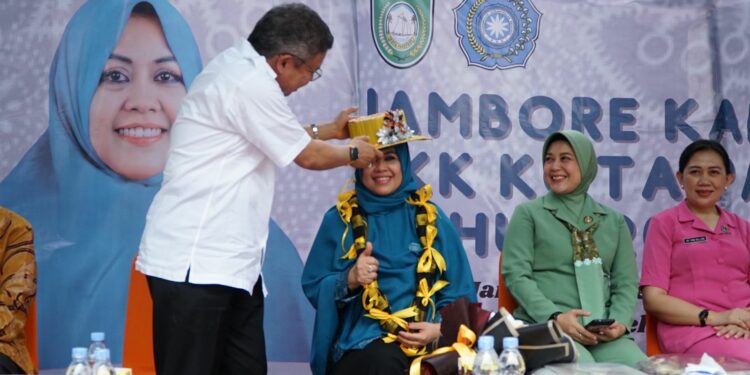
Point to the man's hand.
(338, 126)
(368, 154)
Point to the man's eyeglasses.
(316, 73)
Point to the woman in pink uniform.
(696, 263)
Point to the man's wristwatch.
(315, 131)
(353, 153)
(702, 316)
(554, 315)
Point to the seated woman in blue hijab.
(384, 261)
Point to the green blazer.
(538, 260)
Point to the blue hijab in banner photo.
(391, 227)
(87, 218)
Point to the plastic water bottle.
(511, 360)
(486, 362)
(103, 366)
(97, 342)
(79, 365)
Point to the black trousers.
(207, 329)
(8, 366)
(377, 358)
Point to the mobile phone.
(597, 324)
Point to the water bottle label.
(488, 366)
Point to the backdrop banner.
(488, 80)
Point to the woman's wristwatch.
(702, 316)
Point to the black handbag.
(443, 364)
(540, 343)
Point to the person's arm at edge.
(335, 129)
(18, 284)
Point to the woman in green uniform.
(570, 258)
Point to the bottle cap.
(101, 355)
(510, 342)
(97, 336)
(79, 353)
(486, 342)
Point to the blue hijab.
(87, 219)
(391, 227)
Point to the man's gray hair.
(291, 28)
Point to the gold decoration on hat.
(384, 129)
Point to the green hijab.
(584, 150)
(576, 214)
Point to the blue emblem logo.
(497, 34)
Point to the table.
(274, 368)
(587, 369)
(674, 364)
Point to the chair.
(31, 339)
(652, 340)
(504, 298)
(138, 349)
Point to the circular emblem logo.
(402, 30)
(498, 26)
(401, 26)
(497, 34)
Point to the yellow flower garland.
(431, 264)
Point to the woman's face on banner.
(384, 177)
(136, 101)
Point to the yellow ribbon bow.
(352, 253)
(398, 317)
(430, 257)
(463, 346)
(423, 195)
(344, 207)
(345, 213)
(371, 296)
(423, 199)
(426, 292)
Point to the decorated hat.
(385, 129)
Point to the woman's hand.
(611, 332)
(421, 334)
(365, 270)
(568, 322)
(731, 331)
(739, 317)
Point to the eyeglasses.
(316, 73)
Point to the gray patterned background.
(603, 49)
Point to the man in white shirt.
(206, 230)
